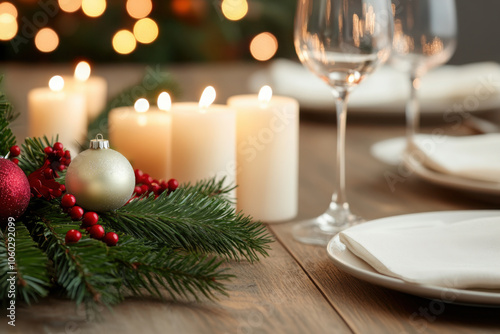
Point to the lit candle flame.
(207, 98)
(164, 101)
(56, 83)
(265, 95)
(82, 71)
(141, 105)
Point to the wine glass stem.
(412, 111)
(339, 196)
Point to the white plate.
(350, 263)
(390, 151)
(471, 87)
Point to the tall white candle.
(54, 111)
(204, 140)
(143, 135)
(268, 133)
(94, 88)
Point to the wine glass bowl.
(424, 37)
(341, 42)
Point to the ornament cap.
(99, 142)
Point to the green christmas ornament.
(101, 179)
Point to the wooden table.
(297, 289)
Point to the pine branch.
(153, 83)
(194, 221)
(7, 115)
(33, 155)
(31, 266)
(83, 270)
(180, 274)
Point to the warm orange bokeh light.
(145, 31)
(46, 40)
(93, 8)
(8, 8)
(8, 27)
(263, 46)
(234, 10)
(124, 42)
(139, 9)
(70, 6)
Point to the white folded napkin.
(387, 90)
(473, 157)
(462, 254)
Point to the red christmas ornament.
(14, 191)
(73, 236)
(97, 232)
(111, 239)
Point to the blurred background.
(144, 30)
(153, 31)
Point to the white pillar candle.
(267, 155)
(54, 111)
(204, 140)
(94, 88)
(143, 135)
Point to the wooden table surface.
(297, 289)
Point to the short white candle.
(143, 135)
(54, 111)
(94, 88)
(268, 133)
(204, 140)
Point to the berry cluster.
(89, 223)
(145, 185)
(14, 152)
(58, 157)
(42, 181)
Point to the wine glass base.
(320, 230)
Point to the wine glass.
(340, 41)
(424, 37)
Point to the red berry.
(62, 188)
(48, 150)
(15, 151)
(48, 173)
(138, 174)
(68, 200)
(164, 185)
(59, 153)
(16, 161)
(173, 184)
(111, 239)
(144, 189)
(146, 179)
(155, 187)
(97, 232)
(90, 218)
(138, 190)
(76, 213)
(61, 167)
(56, 192)
(72, 236)
(58, 147)
(67, 154)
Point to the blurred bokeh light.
(124, 42)
(264, 46)
(46, 40)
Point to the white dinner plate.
(350, 263)
(390, 151)
(472, 87)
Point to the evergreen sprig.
(33, 155)
(30, 265)
(194, 219)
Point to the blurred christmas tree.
(188, 30)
